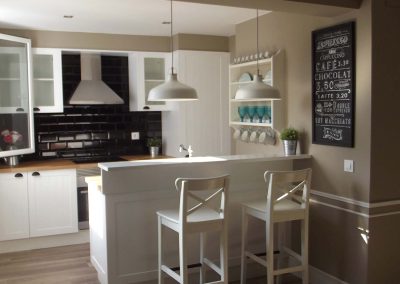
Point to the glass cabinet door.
(16, 120)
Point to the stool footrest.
(292, 253)
(171, 273)
(255, 258)
(213, 266)
(289, 270)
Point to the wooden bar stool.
(283, 203)
(197, 214)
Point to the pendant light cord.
(258, 70)
(172, 45)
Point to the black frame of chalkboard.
(349, 142)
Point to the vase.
(12, 161)
(154, 151)
(289, 147)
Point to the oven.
(83, 200)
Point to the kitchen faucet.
(189, 150)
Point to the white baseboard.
(45, 242)
(320, 277)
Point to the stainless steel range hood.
(92, 90)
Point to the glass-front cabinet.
(148, 70)
(47, 80)
(16, 119)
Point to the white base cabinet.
(34, 204)
(14, 215)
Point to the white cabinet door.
(14, 219)
(146, 71)
(52, 202)
(203, 124)
(47, 80)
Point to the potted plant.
(289, 136)
(154, 144)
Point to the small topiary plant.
(289, 134)
(154, 142)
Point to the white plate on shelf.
(245, 77)
(268, 75)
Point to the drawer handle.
(36, 109)
(18, 175)
(35, 174)
(20, 109)
(83, 192)
(146, 107)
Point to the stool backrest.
(198, 193)
(288, 185)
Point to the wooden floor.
(66, 265)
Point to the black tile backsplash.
(95, 130)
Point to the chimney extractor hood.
(92, 90)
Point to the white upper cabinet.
(16, 119)
(47, 80)
(146, 71)
(204, 123)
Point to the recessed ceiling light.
(68, 16)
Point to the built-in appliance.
(83, 198)
(97, 159)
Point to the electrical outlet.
(135, 136)
(349, 166)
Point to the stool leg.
(182, 258)
(304, 249)
(160, 252)
(270, 250)
(244, 247)
(203, 240)
(224, 253)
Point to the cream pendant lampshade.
(257, 89)
(172, 89)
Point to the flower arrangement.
(11, 137)
(289, 134)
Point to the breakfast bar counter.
(124, 200)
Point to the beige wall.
(336, 243)
(74, 40)
(292, 33)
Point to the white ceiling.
(136, 17)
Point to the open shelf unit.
(272, 70)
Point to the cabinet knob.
(18, 175)
(146, 107)
(35, 174)
(20, 109)
(36, 109)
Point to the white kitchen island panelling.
(204, 123)
(124, 200)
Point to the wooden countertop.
(60, 164)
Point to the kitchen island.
(124, 200)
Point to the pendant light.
(257, 89)
(172, 89)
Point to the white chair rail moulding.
(47, 80)
(273, 72)
(146, 71)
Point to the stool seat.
(196, 214)
(285, 210)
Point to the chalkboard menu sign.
(333, 85)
